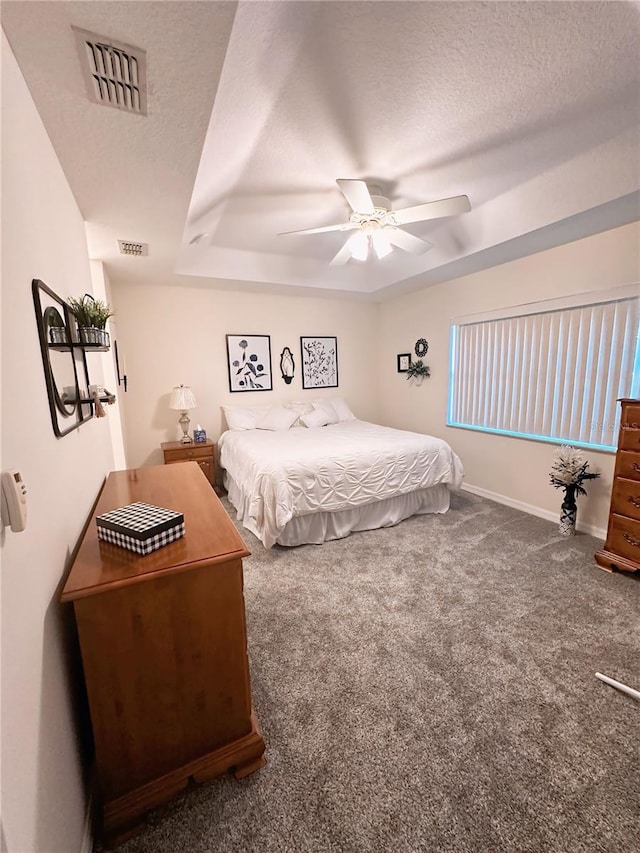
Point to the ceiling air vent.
(128, 247)
(115, 73)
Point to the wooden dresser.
(163, 645)
(622, 548)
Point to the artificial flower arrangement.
(568, 472)
(417, 368)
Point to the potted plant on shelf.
(101, 313)
(91, 315)
(417, 371)
(56, 326)
(568, 472)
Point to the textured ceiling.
(532, 109)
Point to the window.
(550, 371)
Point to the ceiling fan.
(377, 227)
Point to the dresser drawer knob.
(634, 501)
(636, 467)
(631, 540)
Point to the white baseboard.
(597, 532)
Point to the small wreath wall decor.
(422, 347)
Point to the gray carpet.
(430, 687)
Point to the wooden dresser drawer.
(630, 428)
(628, 465)
(625, 499)
(621, 551)
(624, 537)
(189, 453)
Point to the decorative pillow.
(317, 418)
(241, 418)
(343, 411)
(277, 418)
(299, 408)
(326, 407)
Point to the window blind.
(554, 374)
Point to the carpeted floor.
(431, 687)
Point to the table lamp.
(183, 399)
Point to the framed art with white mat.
(319, 362)
(249, 362)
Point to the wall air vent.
(115, 74)
(129, 247)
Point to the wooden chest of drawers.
(163, 643)
(622, 548)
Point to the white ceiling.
(532, 109)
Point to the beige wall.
(171, 335)
(515, 469)
(43, 793)
(102, 290)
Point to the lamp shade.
(182, 399)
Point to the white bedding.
(295, 472)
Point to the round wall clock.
(422, 347)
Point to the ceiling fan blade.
(343, 255)
(408, 242)
(344, 226)
(433, 210)
(357, 194)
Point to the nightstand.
(202, 452)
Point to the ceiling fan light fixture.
(359, 246)
(381, 244)
(378, 226)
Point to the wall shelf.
(65, 364)
(85, 347)
(89, 401)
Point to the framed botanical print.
(404, 361)
(249, 362)
(319, 358)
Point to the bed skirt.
(319, 527)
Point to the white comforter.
(326, 469)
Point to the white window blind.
(553, 374)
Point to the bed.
(307, 484)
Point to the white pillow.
(277, 418)
(343, 411)
(241, 418)
(317, 418)
(326, 407)
(300, 408)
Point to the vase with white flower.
(568, 472)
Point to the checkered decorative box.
(140, 527)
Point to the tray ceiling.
(255, 109)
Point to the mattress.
(277, 476)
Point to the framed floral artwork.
(319, 358)
(249, 361)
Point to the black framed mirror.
(64, 362)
